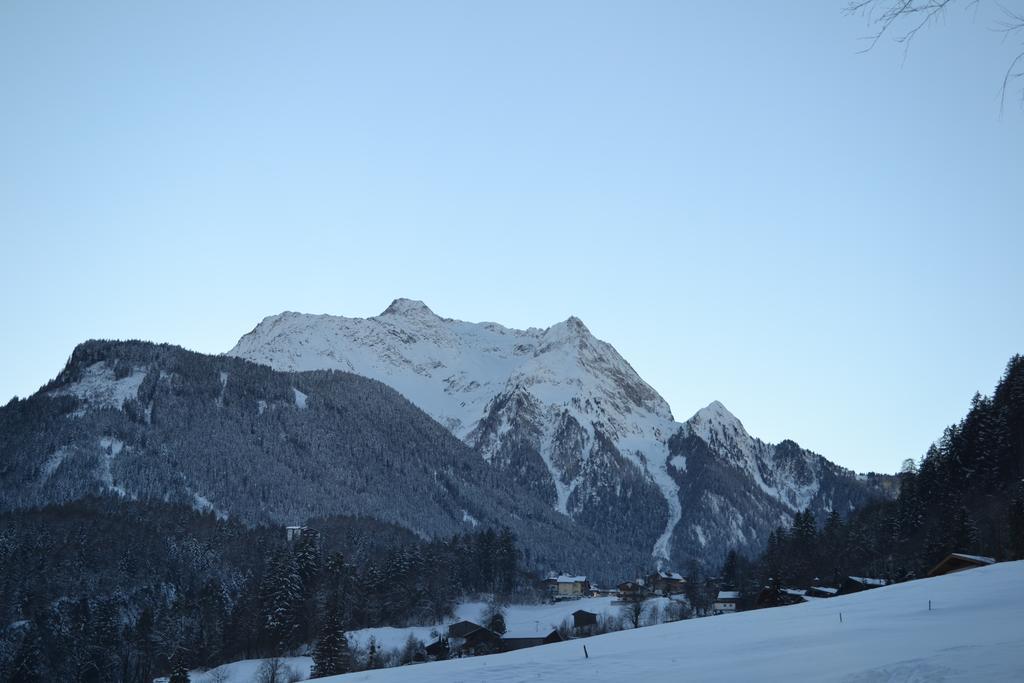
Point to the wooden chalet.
(821, 592)
(632, 591)
(957, 562)
(666, 583)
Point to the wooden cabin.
(666, 583)
(957, 562)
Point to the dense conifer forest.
(966, 494)
(104, 589)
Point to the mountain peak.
(408, 307)
(716, 414)
(570, 328)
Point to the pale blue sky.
(828, 242)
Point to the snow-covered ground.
(518, 619)
(246, 671)
(975, 632)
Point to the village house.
(598, 592)
(856, 584)
(957, 562)
(632, 591)
(821, 592)
(726, 602)
(666, 583)
(570, 587)
(293, 533)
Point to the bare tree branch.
(903, 19)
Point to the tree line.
(105, 589)
(966, 494)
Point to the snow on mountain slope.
(578, 407)
(563, 414)
(888, 634)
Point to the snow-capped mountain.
(562, 413)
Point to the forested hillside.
(157, 422)
(966, 494)
(104, 589)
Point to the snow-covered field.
(518, 619)
(975, 632)
(246, 671)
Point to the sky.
(744, 204)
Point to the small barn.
(856, 584)
(480, 642)
(437, 650)
(519, 640)
(957, 562)
(581, 618)
(469, 638)
(772, 596)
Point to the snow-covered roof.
(673, 576)
(564, 578)
(794, 591)
(825, 589)
(974, 558)
(728, 595)
(867, 581)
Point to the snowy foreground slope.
(975, 632)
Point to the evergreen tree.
(179, 674)
(494, 617)
(372, 655)
(331, 655)
(282, 599)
